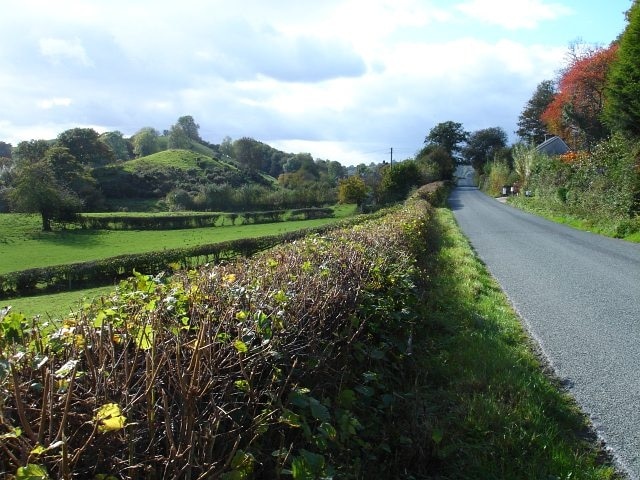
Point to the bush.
(296, 360)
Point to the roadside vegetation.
(593, 107)
(353, 354)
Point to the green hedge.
(175, 222)
(148, 222)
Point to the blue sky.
(341, 79)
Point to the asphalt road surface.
(579, 295)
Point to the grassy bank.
(491, 410)
(626, 229)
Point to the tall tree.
(622, 109)
(178, 138)
(531, 128)
(483, 145)
(117, 143)
(30, 152)
(577, 108)
(190, 127)
(72, 176)
(248, 153)
(85, 146)
(449, 135)
(5, 150)
(145, 142)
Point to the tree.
(352, 190)
(449, 135)
(436, 162)
(482, 146)
(397, 181)
(178, 138)
(531, 128)
(30, 152)
(117, 143)
(226, 147)
(85, 146)
(247, 153)
(577, 108)
(622, 108)
(189, 127)
(5, 150)
(37, 190)
(145, 142)
(72, 176)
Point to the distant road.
(579, 295)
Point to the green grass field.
(57, 305)
(23, 245)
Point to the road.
(579, 296)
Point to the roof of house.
(553, 146)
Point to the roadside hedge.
(296, 363)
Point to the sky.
(343, 80)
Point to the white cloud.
(336, 78)
(54, 102)
(58, 49)
(513, 14)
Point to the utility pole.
(392, 156)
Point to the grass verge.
(626, 229)
(491, 410)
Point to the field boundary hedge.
(109, 270)
(196, 220)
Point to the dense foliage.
(575, 114)
(623, 93)
(289, 363)
(531, 128)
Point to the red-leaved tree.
(575, 114)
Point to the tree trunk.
(46, 222)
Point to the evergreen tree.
(622, 108)
(531, 128)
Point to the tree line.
(594, 106)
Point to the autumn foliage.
(576, 110)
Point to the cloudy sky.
(344, 80)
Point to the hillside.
(154, 176)
(180, 159)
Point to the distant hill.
(180, 159)
(153, 176)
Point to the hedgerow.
(294, 363)
(109, 270)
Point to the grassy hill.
(154, 176)
(180, 159)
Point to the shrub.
(293, 361)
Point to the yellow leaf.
(110, 418)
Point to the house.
(553, 146)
